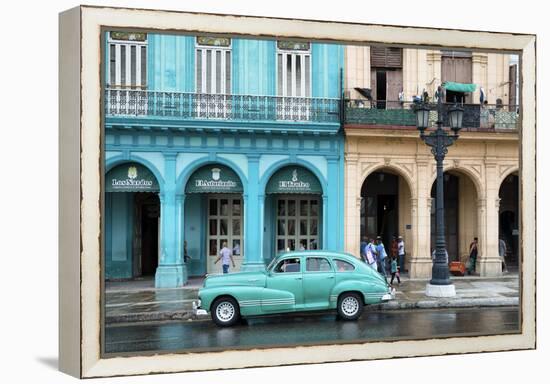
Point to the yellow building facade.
(390, 172)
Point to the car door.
(318, 280)
(284, 287)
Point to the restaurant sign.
(214, 178)
(294, 179)
(131, 177)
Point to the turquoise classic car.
(294, 282)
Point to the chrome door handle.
(330, 277)
(252, 280)
(298, 278)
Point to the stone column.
(352, 218)
(421, 261)
(253, 216)
(489, 262)
(180, 233)
(479, 74)
(334, 222)
(171, 272)
(325, 231)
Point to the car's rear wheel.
(350, 306)
(225, 311)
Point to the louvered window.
(386, 57)
(213, 77)
(293, 69)
(127, 60)
(213, 66)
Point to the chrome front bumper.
(389, 296)
(197, 310)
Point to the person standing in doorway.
(502, 253)
(370, 254)
(401, 98)
(186, 256)
(225, 256)
(473, 256)
(381, 252)
(363, 247)
(401, 252)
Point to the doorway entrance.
(379, 207)
(297, 223)
(146, 233)
(450, 203)
(509, 218)
(213, 217)
(225, 226)
(132, 214)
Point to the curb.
(187, 315)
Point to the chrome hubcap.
(225, 311)
(350, 306)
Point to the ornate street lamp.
(440, 284)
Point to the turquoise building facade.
(216, 141)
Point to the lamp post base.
(440, 290)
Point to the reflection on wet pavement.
(310, 329)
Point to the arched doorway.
(509, 218)
(132, 216)
(386, 210)
(461, 220)
(214, 216)
(293, 211)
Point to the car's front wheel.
(225, 311)
(350, 306)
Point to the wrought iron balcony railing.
(142, 103)
(396, 113)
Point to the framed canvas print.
(253, 191)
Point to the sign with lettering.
(294, 179)
(131, 177)
(214, 178)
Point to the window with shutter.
(127, 60)
(213, 76)
(213, 55)
(293, 80)
(386, 57)
(293, 69)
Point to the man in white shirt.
(226, 255)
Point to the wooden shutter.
(457, 69)
(386, 57)
(394, 81)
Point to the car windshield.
(271, 264)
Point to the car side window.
(288, 265)
(317, 264)
(343, 266)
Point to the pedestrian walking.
(502, 254)
(473, 256)
(381, 256)
(394, 268)
(401, 252)
(225, 256)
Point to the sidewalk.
(139, 301)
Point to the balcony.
(382, 113)
(174, 109)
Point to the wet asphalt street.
(309, 329)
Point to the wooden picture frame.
(81, 179)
